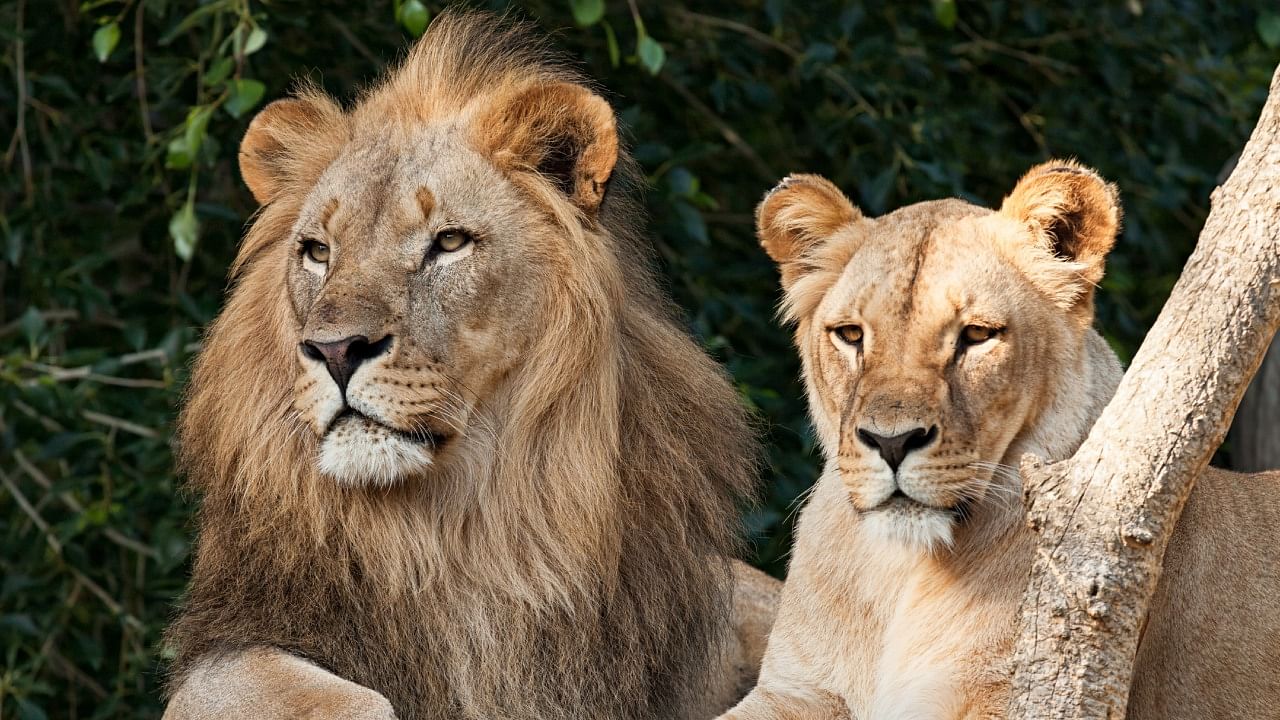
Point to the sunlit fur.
(560, 557)
(912, 526)
(899, 608)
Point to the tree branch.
(1105, 515)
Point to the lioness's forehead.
(918, 249)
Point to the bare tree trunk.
(1105, 515)
(1255, 433)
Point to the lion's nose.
(894, 449)
(342, 357)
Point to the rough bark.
(1255, 433)
(1105, 515)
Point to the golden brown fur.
(903, 591)
(554, 548)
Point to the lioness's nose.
(894, 449)
(342, 357)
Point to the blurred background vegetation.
(121, 206)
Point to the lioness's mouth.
(425, 436)
(900, 500)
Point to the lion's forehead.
(376, 187)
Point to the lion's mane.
(574, 571)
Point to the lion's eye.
(848, 334)
(977, 334)
(315, 251)
(452, 240)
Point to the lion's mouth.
(422, 436)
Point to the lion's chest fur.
(451, 650)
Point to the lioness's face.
(925, 358)
(421, 256)
(929, 337)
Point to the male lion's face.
(419, 260)
(406, 272)
(930, 336)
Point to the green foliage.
(1269, 28)
(587, 12)
(413, 15)
(105, 40)
(121, 206)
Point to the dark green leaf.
(945, 12)
(683, 183)
(14, 242)
(611, 40)
(414, 16)
(1269, 28)
(32, 325)
(587, 12)
(178, 155)
(182, 151)
(19, 622)
(28, 710)
(244, 96)
(651, 54)
(220, 70)
(105, 40)
(257, 38)
(185, 231)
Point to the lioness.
(940, 343)
(458, 458)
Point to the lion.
(458, 457)
(941, 343)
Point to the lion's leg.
(270, 684)
(755, 603)
(776, 697)
(766, 704)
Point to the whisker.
(477, 419)
(799, 502)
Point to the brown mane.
(576, 570)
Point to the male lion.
(940, 343)
(458, 458)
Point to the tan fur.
(270, 684)
(904, 606)
(519, 503)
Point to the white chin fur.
(357, 452)
(921, 529)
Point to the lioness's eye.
(452, 240)
(848, 334)
(315, 251)
(975, 334)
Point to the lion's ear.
(562, 131)
(290, 140)
(1071, 211)
(797, 216)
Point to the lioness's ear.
(797, 216)
(290, 140)
(1072, 212)
(562, 131)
